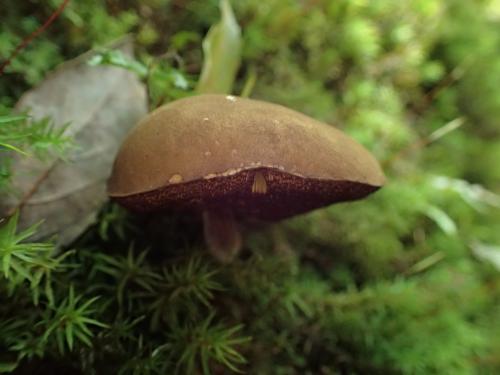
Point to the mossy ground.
(404, 282)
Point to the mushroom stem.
(221, 234)
(281, 246)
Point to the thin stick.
(423, 142)
(31, 192)
(33, 35)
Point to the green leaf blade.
(222, 54)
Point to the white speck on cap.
(231, 98)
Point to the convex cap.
(258, 160)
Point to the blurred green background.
(405, 282)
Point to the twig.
(33, 35)
(31, 192)
(423, 142)
(455, 75)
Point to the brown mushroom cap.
(263, 160)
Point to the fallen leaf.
(100, 104)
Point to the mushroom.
(233, 159)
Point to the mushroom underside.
(260, 193)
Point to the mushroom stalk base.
(281, 246)
(221, 234)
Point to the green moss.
(388, 285)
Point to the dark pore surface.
(281, 195)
